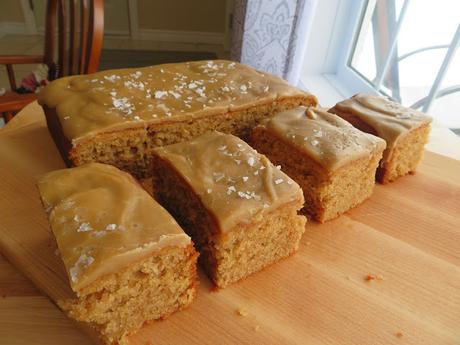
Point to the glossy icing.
(117, 99)
(103, 221)
(324, 137)
(233, 181)
(389, 119)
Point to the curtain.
(271, 35)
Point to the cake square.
(239, 209)
(405, 131)
(128, 261)
(333, 162)
(118, 116)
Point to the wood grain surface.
(407, 236)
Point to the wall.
(182, 15)
(115, 13)
(116, 16)
(40, 13)
(206, 16)
(11, 12)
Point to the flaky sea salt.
(83, 261)
(160, 94)
(112, 77)
(200, 91)
(318, 134)
(123, 104)
(84, 227)
(136, 74)
(244, 195)
(231, 189)
(98, 233)
(111, 227)
(218, 176)
(176, 95)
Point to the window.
(350, 50)
(408, 50)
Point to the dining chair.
(80, 28)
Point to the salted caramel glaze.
(324, 137)
(103, 221)
(233, 181)
(117, 99)
(389, 119)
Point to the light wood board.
(408, 232)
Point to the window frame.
(326, 72)
(331, 77)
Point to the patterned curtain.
(271, 35)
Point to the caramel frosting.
(116, 99)
(233, 181)
(328, 139)
(103, 221)
(389, 119)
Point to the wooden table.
(407, 236)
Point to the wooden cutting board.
(407, 235)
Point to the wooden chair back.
(79, 25)
(79, 40)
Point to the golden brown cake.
(117, 117)
(239, 209)
(405, 131)
(127, 259)
(332, 161)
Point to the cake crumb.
(370, 277)
(242, 312)
(257, 328)
(399, 334)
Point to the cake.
(405, 131)
(117, 117)
(127, 260)
(333, 162)
(239, 209)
